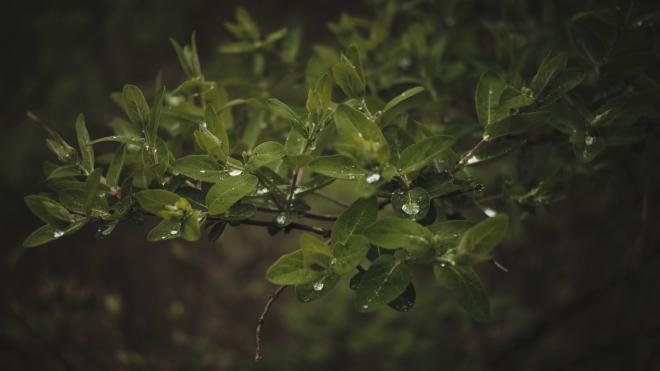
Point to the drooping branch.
(260, 321)
(323, 217)
(303, 227)
(463, 161)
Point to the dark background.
(582, 291)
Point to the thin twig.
(330, 199)
(324, 217)
(461, 163)
(303, 227)
(260, 321)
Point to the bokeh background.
(583, 290)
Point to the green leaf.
(48, 210)
(416, 156)
(216, 127)
(314, 290)
(394, 233)
(228, 191)
(64, 152)
(319, 98)
(477, 242)
(413, 204)
(135, 105)
(199, 167)
(86, 149)
(210, 143)
(151, 130)
(348, 79)
(188, 58)
(154, 201)
(191, 230)
(240, 211)
(316, 254)
(48, 233)
(517, 124)
(353, 220)
(65, 171)
(114, 170)
(281, 109)
(465, 286)
(447, 234)
(347, 255)
(359, 136)
(565, 82)
(166, 230)
(92, 193)
(402, 97)
(337, 166)
(264, 154)
(384, 281)
(549, 68)
(290, 269)
(487, 99)
(405, 301)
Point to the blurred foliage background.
(581, 293)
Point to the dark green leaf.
(347, 255)
(353, 220)
(86, 149)
(416, 156)
(48, 233)
(135, 105)
(385, 280)
(487, 99)
(264, 154)
(549, 68)
(393, 233)
(337, 166)
(466, 288)
(348, 79)
(402, 97)
(413, 204)
(228, 191)
(289, 269)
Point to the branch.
(303, 227)
(330, 199)
(260, 321)
(324, 217)
(461, 163)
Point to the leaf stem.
(260, 321)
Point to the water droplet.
(58, 233)
(443, 265)
(490, 212)
(472, 160)
(411, 208)
(589, 140)
(174, 232)
(333, 261)
(281, 220)
(373, 178)
(235, 172)
(318, 286)
(203, 124)
(365, 307)
(262, 191)
(202, 171)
